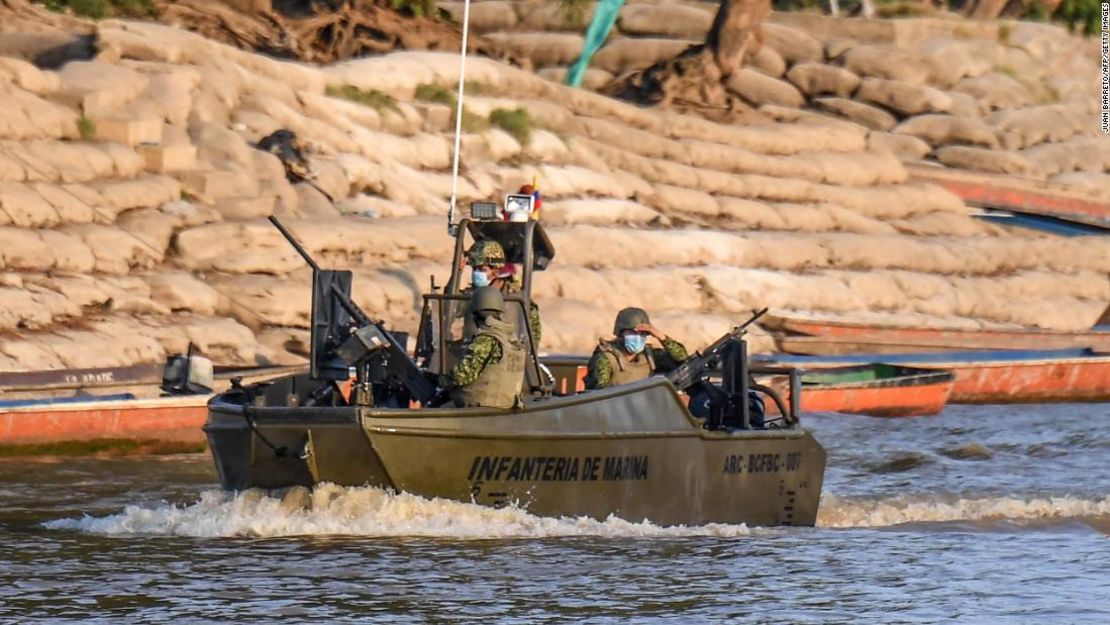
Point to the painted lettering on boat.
(558, 469)
(735, 464)
(96, 377)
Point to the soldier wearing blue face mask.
(627, 357)
(488, 268)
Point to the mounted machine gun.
(343, 336)
(719, 378)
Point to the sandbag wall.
(1012, 98)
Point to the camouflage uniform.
(512, 286)
(491, 372)
(491, 253)
(480, 351)
(665, 359)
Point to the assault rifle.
(343, 336)
(701, 363)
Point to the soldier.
(487, 258)
(491, 372)
(627, 357)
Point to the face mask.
(634, 343)
(479, 278)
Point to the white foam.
(855, 512)
(364, 511)
(372, 512)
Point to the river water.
(985, 514)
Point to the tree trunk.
(737, 33)
(322, 31)
(696, 77)
(985, 9)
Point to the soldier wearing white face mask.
(487, 260)
(627, 357)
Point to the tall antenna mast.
(451, 226)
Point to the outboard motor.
(187, 375)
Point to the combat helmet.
(628, 319)
(486, 252)
(486, 300)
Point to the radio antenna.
(451, 226)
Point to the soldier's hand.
(647, 328)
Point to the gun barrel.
(691, 370)
(755, 317)
(351, 307)
(294, 242)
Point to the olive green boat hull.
(633, 452)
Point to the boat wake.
(362, 511)
(860, 512)
(331, 510)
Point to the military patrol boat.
(681, 449)
(368, 414)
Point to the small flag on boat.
(537, 199)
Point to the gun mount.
(722, 376)
(344, 337)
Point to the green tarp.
(605, 15)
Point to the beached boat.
(865, 388)
(39, 384)
(1024, 198)
(31, 418)
(634, 451)
(997, 377)
(115, 417)
(568, 372)
(874, 389)
(798, 335)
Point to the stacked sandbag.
(132, 219)
(544, 49)
(988, 92)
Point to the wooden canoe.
(874, 389)
(24, 382)
(878, 390)
(29, 416)
(844, 346)
(568, 372)
(1026, 197)
(842, 337)
(998, 377)
(176, 419)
